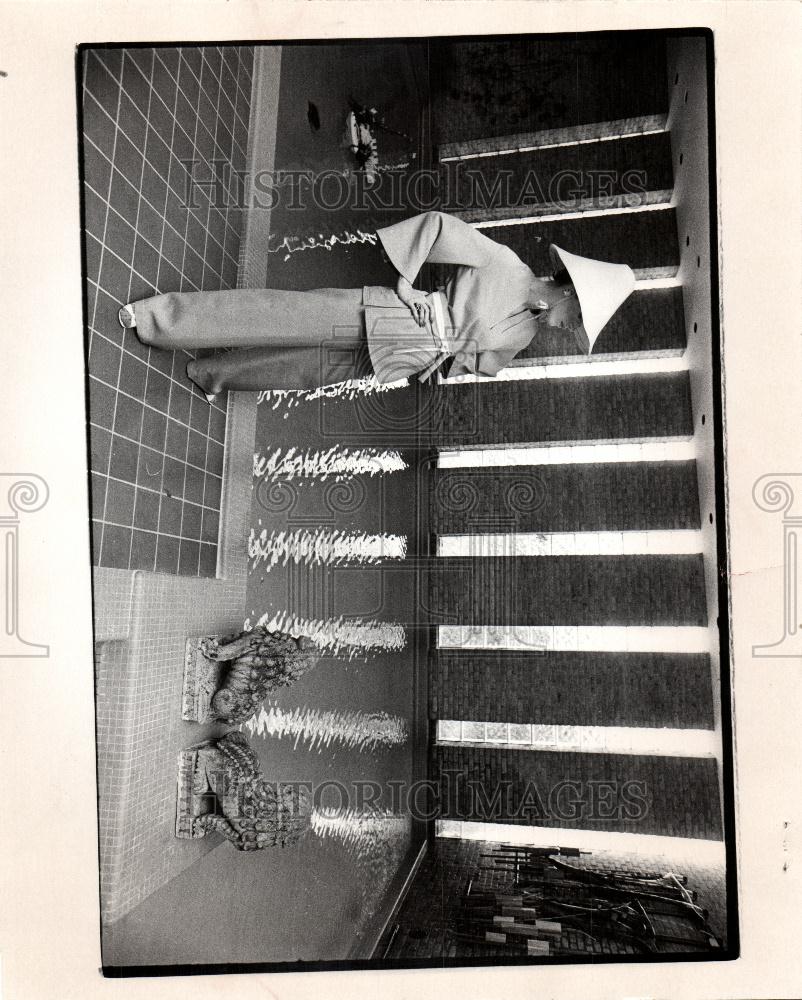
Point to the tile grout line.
(144, 239)
(157, 172)
(158, 371)
(176, 354)
(150, 489)
(100, 272)
(152, 531)
(205, 249)
(203, 275)
(128, 299)
(217, 77)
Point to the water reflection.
(350, 389)
(291, 243)
(377, 842)
(363, 731)
(362, 832)
(339, 636)
(323, 547)
(338, 462)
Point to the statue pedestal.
(221, 789)
(194, 797)
(202, 677)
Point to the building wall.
(688, 124)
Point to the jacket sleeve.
(434, 238)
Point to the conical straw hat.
(601, 288)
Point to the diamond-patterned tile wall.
(155, 120)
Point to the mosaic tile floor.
(150, 116)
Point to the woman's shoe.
(127, 318)
(195, 376)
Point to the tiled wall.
(142, 621)
(156, 445)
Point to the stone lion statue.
(250, 813)
(258, 662)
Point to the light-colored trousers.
(277, 339)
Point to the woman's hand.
(415, 301)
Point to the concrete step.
(665, 796)
(614, 408)
(567, 590)
(548, 138)
(572, 688)
(644, 239)
(526, 83)
(631, 496)
(617, 173)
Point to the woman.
(490, 309)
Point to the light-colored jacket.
(488, 320)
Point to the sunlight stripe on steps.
(572, 543)
(641, 740)
(618, 128)
(582, 638)
(591, 213)
(644, 284)
(582, 453)
(581, 368)
(549, 145)
(670, 850)
(567, 208)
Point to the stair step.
(575, 590)
(545, 138)
(651, 323)
(568, 543)
(636, 170)
(580, 366)
(652, 741)
(665, 796)
(681, 449)
(570, 638)
(632, 496)
(549, 82)
(614, 408)
(646, 240)
(572, 688)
